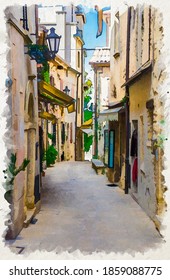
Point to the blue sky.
(90, 30)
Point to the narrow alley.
(80, 211)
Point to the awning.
(47, 116)
(87, 124)
(55, 96)
(115, 104)
(142, 70)
(109, 114)
(71, 108)
(87, 131)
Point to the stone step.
(30, 215)
(98, 166)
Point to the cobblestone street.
(79, 211)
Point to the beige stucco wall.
(150, 181)
(65, 23)
(103, 85)
(62, 78)
(146, 33)
(140, 38)
(71, 43)
(20, 67)
(118, 63)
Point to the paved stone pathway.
(79, 211)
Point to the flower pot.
(8, 196)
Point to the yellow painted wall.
(139, 94)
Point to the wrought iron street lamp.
(43, 53)
(53, 42)
(66, 90)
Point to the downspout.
(96, 121)
(75, 150)
(127, 166)
(82, 101)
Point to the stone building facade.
(23, 100)
(100, 63)
(136, 73)
(68, 21)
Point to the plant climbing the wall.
(10, 173)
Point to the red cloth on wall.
(135, 170)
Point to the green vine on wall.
(124, 100)
(10, 173)
(50, 155)
(158, 143)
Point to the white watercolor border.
(160, 253)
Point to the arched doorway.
(30, 142)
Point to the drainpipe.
(95, 117)
(75, 150)
(127, 166)
(82, 101)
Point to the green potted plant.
(10, 173)
(50, 155)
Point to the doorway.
(134, 156)
(30, 148)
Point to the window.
(116, 40)
(150, 124)
(67, 136)
(25, 18)
(51, 80)
(62, 133)
(78, 60)
(54, 135)
(72, 13)
(78, 104)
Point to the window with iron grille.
(25, 18)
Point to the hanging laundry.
(134, 144)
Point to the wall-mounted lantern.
(53, 42)
(66, 90)
(44, 53)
